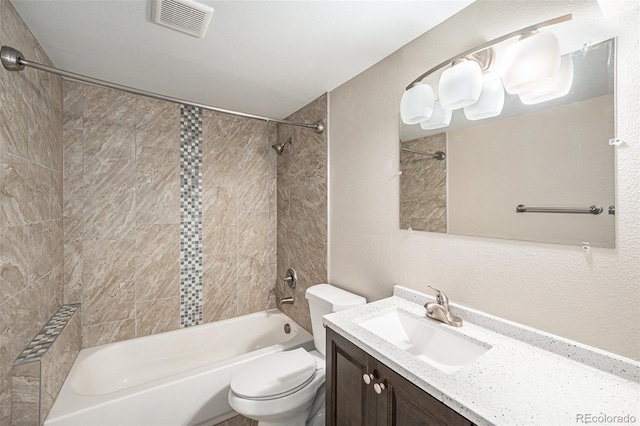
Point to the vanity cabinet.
(388, 398)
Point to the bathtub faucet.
(285, 301)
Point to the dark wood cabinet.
(388, 399)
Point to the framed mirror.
(535, 172)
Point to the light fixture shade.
(559, 87)
(531, 62)
(416, 104)
(460, 85)
(490, 102)
(440, 118)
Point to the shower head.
(279, 147)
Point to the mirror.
(554, 154)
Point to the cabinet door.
(402, 403)
(347, 393)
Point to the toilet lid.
(274, 375)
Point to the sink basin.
(442, 349)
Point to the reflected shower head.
(279, 147)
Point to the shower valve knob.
(291, 279)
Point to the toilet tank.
(325, 299)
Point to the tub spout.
(285, 301)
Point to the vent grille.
(183, 15)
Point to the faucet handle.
(291, 279)
(441, 298)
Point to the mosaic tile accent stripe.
(190, 216)
(49, 333)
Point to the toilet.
(287, 388)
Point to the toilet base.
(298, 420)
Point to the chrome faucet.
(285, 301)
(439, 310)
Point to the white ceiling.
(260, 57)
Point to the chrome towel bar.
(593, 209)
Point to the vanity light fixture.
(531, 62)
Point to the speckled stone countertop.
(528, 377)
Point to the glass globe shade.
(416, 104)
(440, 118)
(531, 62)
(460, 85)
(490, 103)
(559, 87)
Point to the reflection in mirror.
(550, 154)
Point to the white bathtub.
(177, 378)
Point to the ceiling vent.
(187, 16)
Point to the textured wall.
(122, 213)
(30, 199)
(556, 288)
(302, 208)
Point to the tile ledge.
(43, 340)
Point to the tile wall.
(423, 185)
(30, 199)
(190, 216)
(239, 216)
(302, 208)
(122, 214)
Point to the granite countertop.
(528, 377)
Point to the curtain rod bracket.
(11, 58)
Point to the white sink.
(442, 349)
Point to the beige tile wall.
(122, 214)
(302, 208)
(108, 171)
(31, 254)
(239, 216)
(57, 362)
(423, 185)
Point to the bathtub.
(176, 378)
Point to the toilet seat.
(274, 376)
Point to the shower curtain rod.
(13, 60)
(438, 155)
